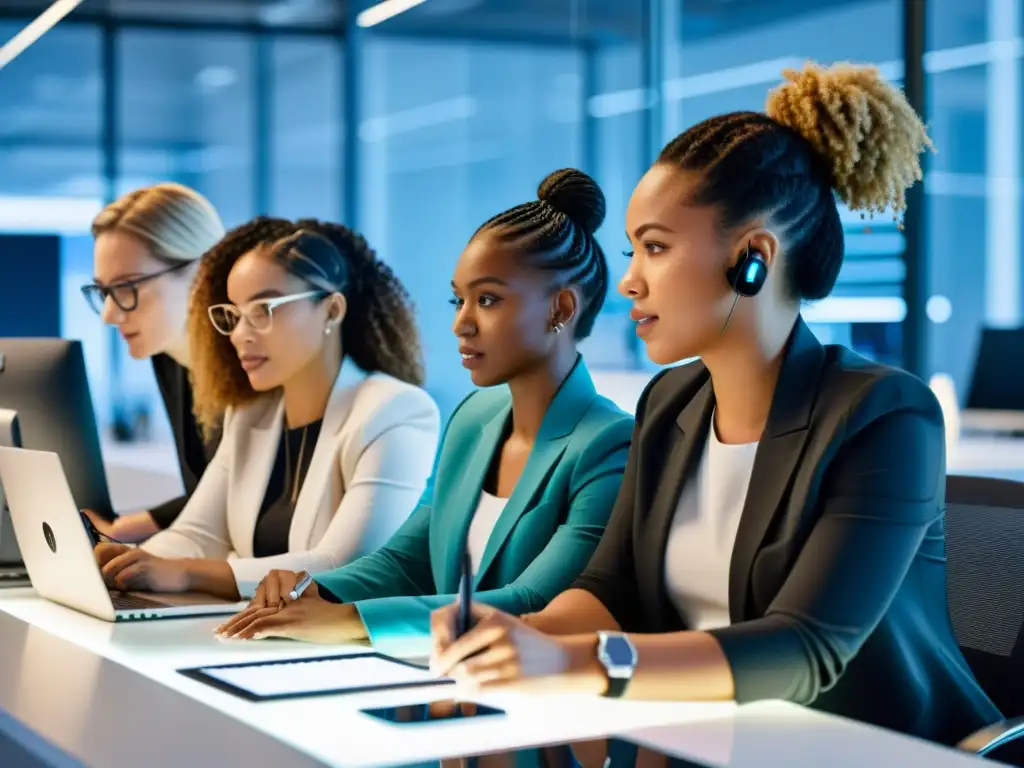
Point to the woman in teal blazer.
(527, 472)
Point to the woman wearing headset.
(306, 358)
(528, 467)
(779, 532)
(148, 246)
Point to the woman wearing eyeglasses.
(148, 244)
(306, 357)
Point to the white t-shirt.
(488, 510)
(703, 532)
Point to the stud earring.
(557, 327)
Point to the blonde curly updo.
(871, 137)
(827, 132)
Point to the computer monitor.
(10, 554)
(995, 398)
(44, 381)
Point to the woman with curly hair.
(529, 464)
(306, 357)
(779, 530)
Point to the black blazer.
(194, 453)
(837, 583)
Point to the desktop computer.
(46, 405)
(995, 397)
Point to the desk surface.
(78, 690)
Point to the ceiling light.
(385, 10)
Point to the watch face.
(618, 651)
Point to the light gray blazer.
(371, 463)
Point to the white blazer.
(372, 460)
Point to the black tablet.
(320, 676)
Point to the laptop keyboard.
(12, 574)
(124, 602)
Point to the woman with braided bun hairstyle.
(306, 358)
(528, 465)
(779, 530)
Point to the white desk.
(82, 691)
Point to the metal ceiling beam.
(914, 330)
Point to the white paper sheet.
(338, 674)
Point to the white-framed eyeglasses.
(259, 314)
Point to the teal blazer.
(542, 540)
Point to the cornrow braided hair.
(839, 132)
(556, 234)
(379, 332)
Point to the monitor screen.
(44, 381)
(998, 379)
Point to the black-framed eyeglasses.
(125, 293)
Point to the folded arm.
(402, 565)
(200, 531)
(387, 468)
(402, 624)
(165, 514)
(880, 495)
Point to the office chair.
(985, 592)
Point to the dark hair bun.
(576, 195)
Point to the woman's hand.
(503, 651)
(126, 529)
(310, 618)
(105, 527)
(273, 591)
(129, 568)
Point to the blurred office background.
(416, 129)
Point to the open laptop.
(58, 551)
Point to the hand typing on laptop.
(130, 568)
(273, 613)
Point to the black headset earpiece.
(747, 275)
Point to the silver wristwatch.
(618, 656)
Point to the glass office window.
(186, 112)
(50, 111)
(305, 94)
(616, 125)
(722, 57)
(973, 239)
(450, 134)
(51, 167)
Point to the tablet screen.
(319, 676)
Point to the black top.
(193, 452)
(837, 581)
(294, 452)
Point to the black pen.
(465, 617)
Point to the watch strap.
(616, 687)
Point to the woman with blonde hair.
(779, 529)
(306, 358)
(147, 247)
